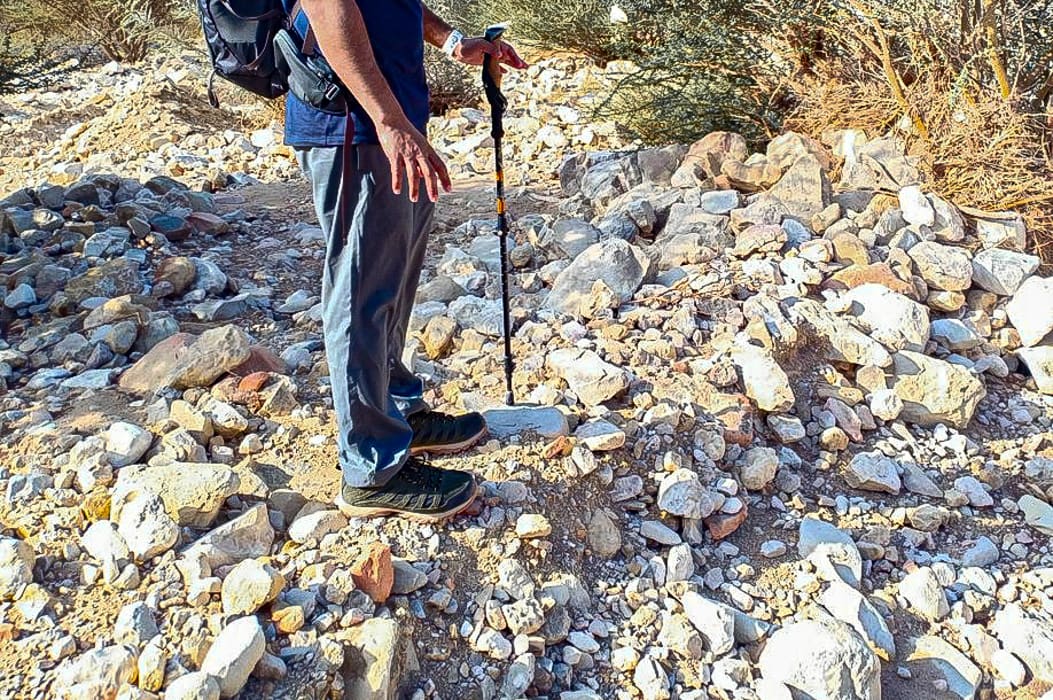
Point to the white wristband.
(452, 41)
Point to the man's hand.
(471, 51)
(412, 158)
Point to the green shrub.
(27, 68)
(124, 30)
(451, 84)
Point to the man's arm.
(435, 29)
(470, 50)
(342, 36)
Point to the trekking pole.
(492, 85)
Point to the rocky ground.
(786, 423)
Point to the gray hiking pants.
(368, 286)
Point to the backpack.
(240, 37)
(255, 45)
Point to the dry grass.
(981, 151)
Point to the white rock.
(145, 526)
(493, 644)
(681, 493)
(1030, 311)
(316, 525)
(772, 549)
(1009, 667)
(850, 606)
(1002, 271)
(884, 404)
(942, 266)
(916, 207)
(16, 567)
(891, 318)
(659, 532)
(824, 660)
(1039, 362)
(1038, 514)
(651, 680)
(923, 591)
(248, 535)
(126, 443)
(600, 436)
(192, 493)
(831, 550)
(506, 422)
(762, 378)
(531, 525)
(97, 673)
(250, 585)
(974, 491)
(193, 686)
(983, 553)
(716, 622)
(1029, 637)
(680, 565)
(759, 468)
(591, 379)
(873, 471)
(135, 625)
(102, 541)
(960, 674)
(934, 391)
(234, 653)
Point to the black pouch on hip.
(310, 77)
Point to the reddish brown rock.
(709, 152)
(877, 273)
(373, 572)
(260, 359)
(254, 382)
(721, 525)
(735, 413)
(182, 361)
(174, 276)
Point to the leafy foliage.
(23, 69)
(124, 30)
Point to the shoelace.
(423, 476)
(437, 425)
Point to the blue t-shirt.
(396, 33)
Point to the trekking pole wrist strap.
(452, 42)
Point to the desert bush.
(451, 84)
(123, 30)
(25, 68)
(973, 78)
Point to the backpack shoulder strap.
(310, 43)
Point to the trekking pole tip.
(510, 399)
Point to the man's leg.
(406, 387)
(364, 267)
(433, 432)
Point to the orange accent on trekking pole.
(500, 206)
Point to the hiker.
(373, 262)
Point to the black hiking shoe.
(442, 434)
(418, 491)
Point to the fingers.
(396, 174)
(490, 48)
(430, 177)
(414, 178)
(509, 56)
(440, 169)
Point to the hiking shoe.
(418, 491)
(442, 434)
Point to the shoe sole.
(377, 512)
(451, 448)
